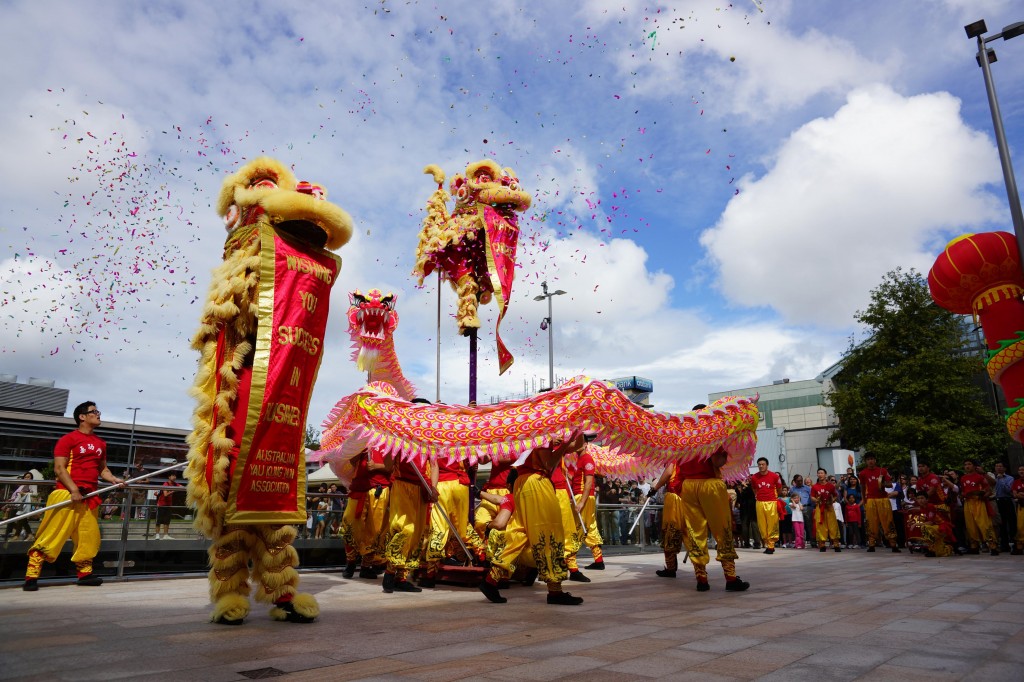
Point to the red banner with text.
(502, 240)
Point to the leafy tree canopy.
(912, 386)
(312, 437)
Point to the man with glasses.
(79, 459)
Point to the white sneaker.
(158, 537)
(168, 537)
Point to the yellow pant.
(364, 530)
(535, 526)
(1020, 527)
(673, 525)
(768, 522)
(826, 527)
(706, 508)
(878, 518)
(76, 521)
(933, 538)
(589, 513)
(571, 531)
(979, 524)
(486, 511)
(408, 521)
(453, 502)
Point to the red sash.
(502, 238)
(269, 476)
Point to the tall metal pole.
(131, 439)
(551, 342)
(1004, 152)
(437, 364)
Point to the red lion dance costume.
(980, 274)
(261, 342)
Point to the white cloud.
(876, 186)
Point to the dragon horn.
(437, 174)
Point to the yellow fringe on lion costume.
(260, 343)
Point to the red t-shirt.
(558, 478)
(508, 502)
(456, 471)
(851, 513)
(932, 485)
(404, 471)
(824, 493)
(695, 468)
(767, 486)
(584, 467)
(873, 480)
(974, 485)
(675, 481)
(499, 475)
(86, 454)
(365, 479)
(166, 497)
(1017, 487)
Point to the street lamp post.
(131, 439)
(985, 58)
(548, 324)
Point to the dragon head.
(485, 182)
(371, 318)
(266, 190)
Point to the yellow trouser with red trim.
(486, 511)
(571, 530)
(673, 528)
(453, 502)
(826, 526)
(408, 521)
(593, 537)
(535, 527)
(706, 509)
(768, 522)
(364, 526)
(1020, 528)
(979, 524)
(878, 519)
(76, 521)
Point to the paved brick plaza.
(808, 616)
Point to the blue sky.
(717, 186)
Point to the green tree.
(912, 385)
(312, 437)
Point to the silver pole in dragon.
(36, 512)
(451, 526)
(437, 363)
(639, 516)
(572, 500)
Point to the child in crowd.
(852, 514)
(796, 511)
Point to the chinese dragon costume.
(260, 342)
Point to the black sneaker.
(406, 586)
(596, 566)
(293, 616)
(1017, 551)
(666, 573)
(736, 585)
(838, 548)
(929, 553)
(492, 594)
(871, 548)
(770, 550)
(564, 598)
(578, 577)
(994, 552)
(973, 550)
(368, 573)
(702, 586)
(389, 582)
(350, 570)
(531, 578)
(895, 550)
(428, 582)
(90, 580)
(823, 549)
(31, 585)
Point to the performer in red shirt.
(571, 528)
(407, 524)
(79, 459)
(929, 482)
(877, 509)
(767, 487)
(164, 506)
(1017, 490)
(585, 494)
(674, 533)
(936, 529)
(451, 480)
(364, 523)
(975, 488)
(826, 527)
(497, 485)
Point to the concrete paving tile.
(748, 663)
(458, 669)
(842, 629)
(897, 673)
(449, 652)
(933, 662)
(548, 668)
(723, 644)
(803, 672)
(655, 667)
(996, 672)
(698, 676)
(852, 655)
(350, 671)
(917, 625)
(628, 649)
